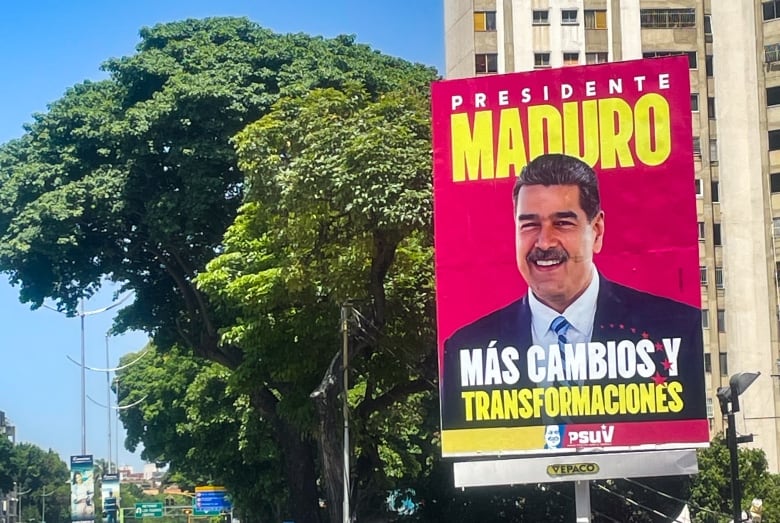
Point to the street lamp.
(19, 501)
(728, 397)
(82, 314)
(43, 503)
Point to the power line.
(669, 496)
(635, 503)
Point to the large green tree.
(338, 210)
(42, 474)
(135, 178)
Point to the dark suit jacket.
(622, 313)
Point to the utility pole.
(43, 503)
(345, 309)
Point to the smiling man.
(546, 338)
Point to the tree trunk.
(330, 439)
(298, 458)
(303, 506)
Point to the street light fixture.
(82, 314)
(728, 397)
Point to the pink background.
(651, 237)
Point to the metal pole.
(43, 505)
(345, 411)
(116, 425)
(83, 386)
(731, 441)
(582, 501)
(108, 405)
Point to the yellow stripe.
(492, 440)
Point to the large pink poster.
(617, 259)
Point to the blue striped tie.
(559, 326)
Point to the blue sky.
(47, 46)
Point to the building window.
(667, 18)
(724, 364)
(719, 283)
(711, 107)
(774, 182)
(695, 102)
(713, 151)
(772, 96)
(774, 140)
(772, 53)
(486, 63)
(715, 192)
(721, 320)
(708, 28)
(569, 16)
(716, 234)
(697, 147)
(595, 19)
(596, 58)
(776, 227)
(705, 324)
(771, 9)
(541, 60)
(699, 188)
(571, 58)
(484, 21)
(703, 274)
(692, 61)
(541, 17)
(708, 65)
(710, 411)
(701, 231)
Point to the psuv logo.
(571, 469)
(592, 437)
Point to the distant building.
(150, 480)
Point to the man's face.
(555, 242)
(552, 436)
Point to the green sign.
(149, 510)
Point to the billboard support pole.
(582, 501)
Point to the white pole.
(108, 404)
(582, 500)
(83, 386)
(116, 425)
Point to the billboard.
(568, 307)
(109, 494)
(82, 488)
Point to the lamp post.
(83, 314)
(19, 501)
(43, 503)
(728, 397)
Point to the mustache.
(553, 253)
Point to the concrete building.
(733, 50)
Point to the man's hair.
(560, 169)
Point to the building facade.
(733, 50)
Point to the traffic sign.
(149, 510)
(210, 501)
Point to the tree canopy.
(139, 178)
